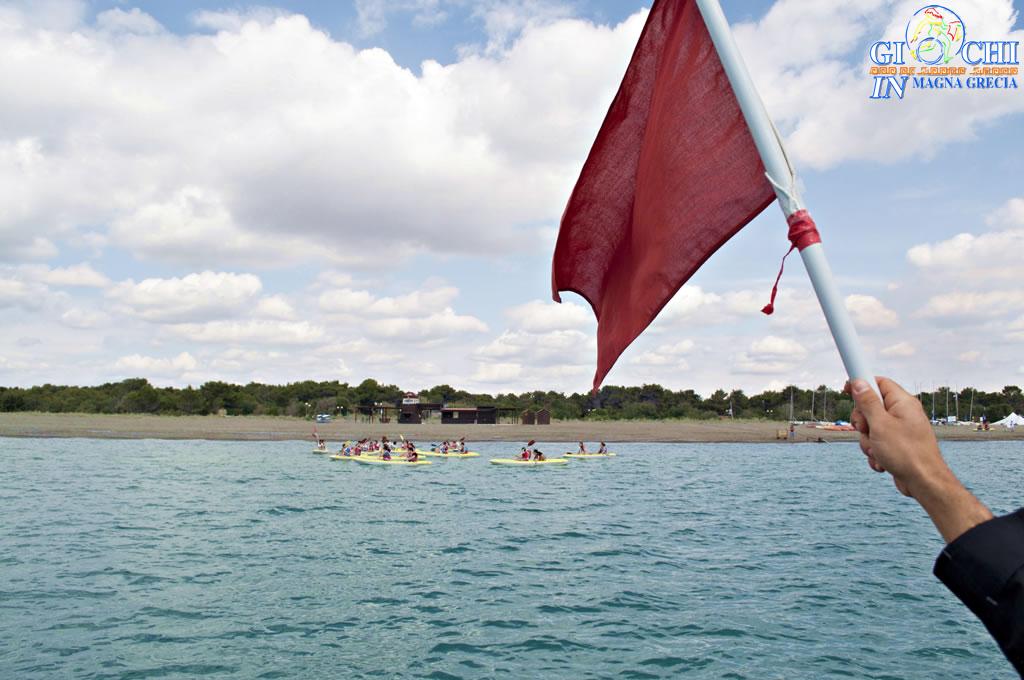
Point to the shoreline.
(278, 428)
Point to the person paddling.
(603, 449)
(583, 449)
(538, 455)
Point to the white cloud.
(899, 350)
(372, 15)
(84, 318)
(20, 247)
(553, 347)
(538, 316)
(970, 356)
(506, 19)
(289, 132)
(993, 254)
(258, 332)
(773, 347)
(1017, 330)
(195, 297)
(82, 275)
(770, 355)
(694, 306)
(17, 293)
(669, 355)
(8, 365)
(869, 312)
(443, 324)
(133, 21)
(745, 364)
(497, 372)
(193, 225)
(690, 302)
(57, 15)
(275, 307)
(220, 148)
(964, 305)
(144, 366)
(382, 358)
(416, 317)
(345, 301)
(1010, 214)
(416, 304)
(235, 21)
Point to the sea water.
(145, 559)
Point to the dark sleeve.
(985, 569)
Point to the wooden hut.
(544, 417)
(458, 416)
(477, 415)
(528, 417)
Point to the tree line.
(307, 398)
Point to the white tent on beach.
(1012, 420)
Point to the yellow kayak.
(322, 451)
(467, 454)
(528, 463)
(339, 456)
(590, 455)
(394, 461)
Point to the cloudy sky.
(341, 190)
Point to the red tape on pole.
(802, 233)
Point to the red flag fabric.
(672, 176)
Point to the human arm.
(897, 437)
(983, 561)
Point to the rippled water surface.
(182, 559)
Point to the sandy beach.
(260, 428)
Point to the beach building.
(408, 410)
(477, 415)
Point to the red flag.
(672, 176)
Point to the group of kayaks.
(398, 458)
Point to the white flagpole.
(782, 176)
